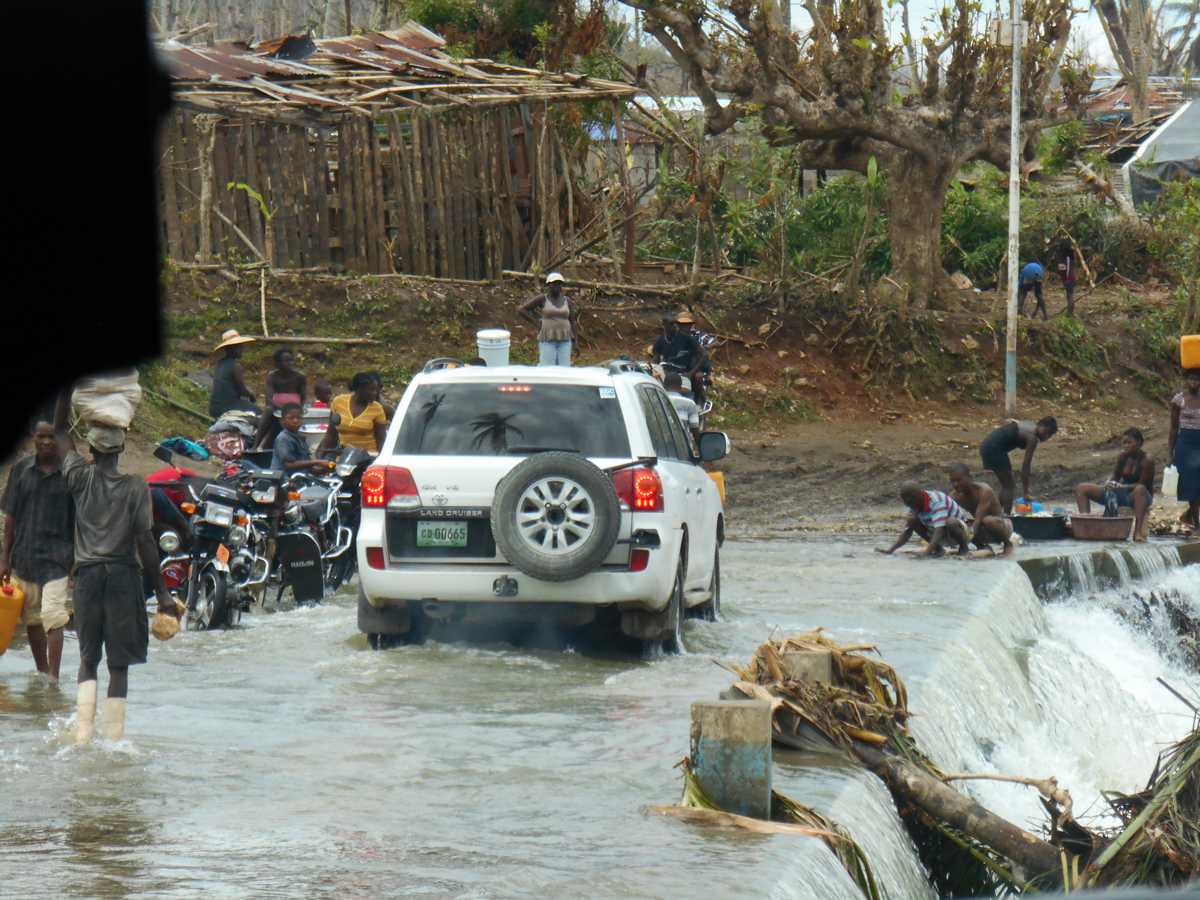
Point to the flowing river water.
(285, 758)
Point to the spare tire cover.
(556, 516)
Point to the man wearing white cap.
(559, 332)
(229, 389)
(113, 533)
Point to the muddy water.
(286, 759)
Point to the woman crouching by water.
(1184, 446)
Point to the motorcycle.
(350, 465)
(306, 534)
(705, 408)
(216, 573)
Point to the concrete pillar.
(731, 754)
(809, 665)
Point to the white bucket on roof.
(493, 345)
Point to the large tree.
(836, 95)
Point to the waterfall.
(1067, 690)
(1082, 573)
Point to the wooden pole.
(207, 128)
(630, 202)
(262, 299)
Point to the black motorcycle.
(309, 539)
(350, 465)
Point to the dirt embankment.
(830, 408)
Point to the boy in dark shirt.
(291, 452)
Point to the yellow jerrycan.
(12, 601)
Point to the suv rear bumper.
(648, 589)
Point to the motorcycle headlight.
(292, 515)
(215, 514)
(266, 495)
(237, 534)
(168, 542)
(345, 470)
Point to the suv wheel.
(710, 609)
(674, 615)
(556, 516)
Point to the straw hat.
(231, 338)
(685, 318)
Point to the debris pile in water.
(965, 848)
(787, 816)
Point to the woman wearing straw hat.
(559, 333)
(229, 389)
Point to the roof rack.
(443, 362)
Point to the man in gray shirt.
(113, 523)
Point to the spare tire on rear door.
(556, 516)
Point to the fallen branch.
(716, 817)
(213, 267)
(292, 339)
(402, 276)
(204, 417)
(606, 286)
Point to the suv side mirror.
(714, 445)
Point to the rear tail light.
(640, 489)
(639, 560)
(375, 557)
(389, 486)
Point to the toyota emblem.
(440, 499)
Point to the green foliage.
(975, 232)
(441, 15)
(1060, 145)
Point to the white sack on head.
(108, 399)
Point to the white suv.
(539, 495)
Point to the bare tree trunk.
(916, 196)
(349, 26)
(910, 784)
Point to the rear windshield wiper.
(531, 448)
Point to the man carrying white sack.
(113, 523)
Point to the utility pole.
(1014, 33)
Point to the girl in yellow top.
(361, 420)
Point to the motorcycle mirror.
(163, 454)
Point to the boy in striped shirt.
(934, 516)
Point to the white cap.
(553, 277)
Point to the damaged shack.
(376, 153)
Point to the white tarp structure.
(1171, 152)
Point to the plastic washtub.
(1040, 528)
(1101, 528)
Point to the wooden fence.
(459, 195)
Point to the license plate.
(441, 534)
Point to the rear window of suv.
(491, 419)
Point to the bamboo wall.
(458, 195)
